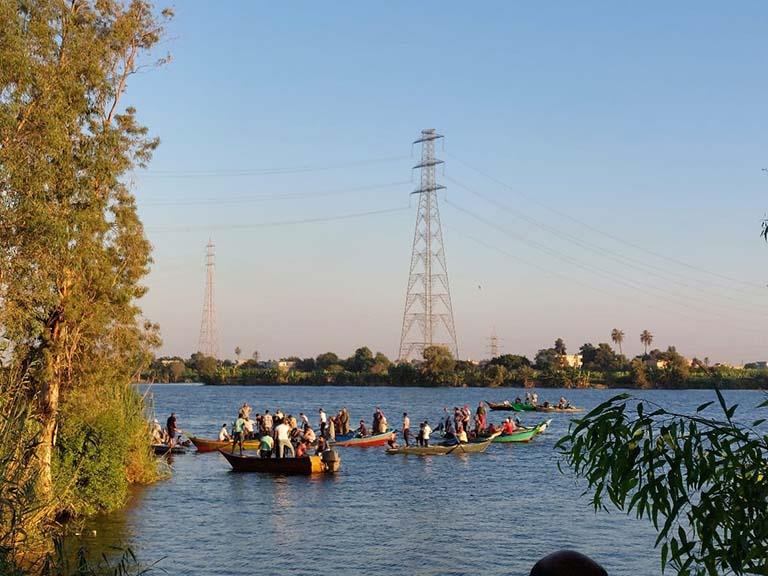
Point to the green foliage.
(438, 365)
(702, 482)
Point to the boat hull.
(163, 449)
(440, 449)
(207, 445)
(572, 410)
(365, 441)
(304, 466)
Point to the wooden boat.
(445, 448)
(522, 434)
(365, 441)
(328, 463)
(163, 449)
(569, 410)
(207, 445)
(513, 406)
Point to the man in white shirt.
(323, 421)
(426, 432)
(223, 434)
(283, 437)
(304, 419)
(406, 429)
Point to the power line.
(276, 223)
(607, 234)
(209, 173)
(243, 199)
(624, 260)
(673, 297)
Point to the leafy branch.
(702, 482)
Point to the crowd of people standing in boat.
(279, 433)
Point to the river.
(492, 514)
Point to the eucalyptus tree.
(72, 248)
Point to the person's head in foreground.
(567, 563)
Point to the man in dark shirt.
(170, 426)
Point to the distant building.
(286, 365)
(572, 360)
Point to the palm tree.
(618, 337)
(237, 353)
(646, 338)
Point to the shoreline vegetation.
(73, 254)
(594, 367)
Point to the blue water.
(494, 513)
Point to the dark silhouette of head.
(567, 563)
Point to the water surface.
(494, 513)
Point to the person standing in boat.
(309, 434)
(238, 431)
(304, 419)
(224, 434)
(156, 431)
(375, 421)
(330, 431)
(406, 429)
(425, 433)
(266, 421)
(482, 415)
(383, 424)
(535, 399)
(344, 421)
(266, 446)
(248, 428)
(323, 421)
(246, 410)
(283, 438)
(170, 426)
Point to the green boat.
(513, 406)
(523, 435)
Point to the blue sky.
(602, 163)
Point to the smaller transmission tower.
(428, 315)
(208, 343)
(493, 344)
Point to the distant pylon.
(493, 344)
(208, 343)
(428, 315)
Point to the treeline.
(551, 367)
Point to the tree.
(560, 347)
(72, 248)
(255, 356)
(588, 353)
(177, 369)
(381, 364)
(326, 359)
(238, 351)
(548, 359)
(495, 375)
(646, 338)
(438, 363)
(699, 479)
(510, 361)
(617, 336)
(361, 361)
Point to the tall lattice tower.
(208, 343)
(493, 344)
(428, 315)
